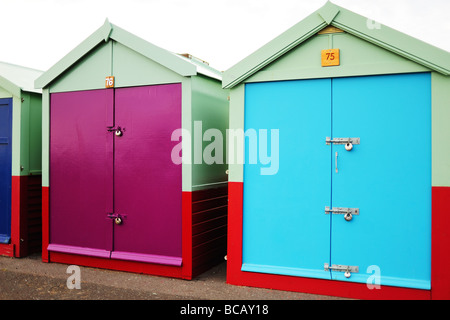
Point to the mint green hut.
(146, 202)
(353, 201)
(20, 161)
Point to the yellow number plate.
(109, 82)
(330, 57)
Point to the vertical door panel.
(81, 159)
(147, 184)
(284, 228)
(387, 176)
(5, 169)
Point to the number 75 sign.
(330, 57)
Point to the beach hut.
(20, 161)
(123, 187)
(346, 195)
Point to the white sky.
(37, 33)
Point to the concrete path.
(31, 279)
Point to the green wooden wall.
(26, 132)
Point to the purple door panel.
(147, 184)
(81, 172)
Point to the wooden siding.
(209, 228)
(33, 211)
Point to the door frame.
(7, 194)
(163, 267)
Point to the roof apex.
(109, 31)
(328, 12)
(392, 40)
(106, 29)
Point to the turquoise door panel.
(387, 176)
(284, 230)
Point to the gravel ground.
(31, 279)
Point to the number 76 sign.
(330, 57)
(109, 82)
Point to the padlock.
(349, 146)
(347, 274)
(118, 133)
(348, 217)
(118, 220)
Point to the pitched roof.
(175, 62)
(330, 14)
(15, 78)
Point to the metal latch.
(118, 131)
(341, 268)
(347, 212)
(354, 141)
(348, 142)
(118, 218)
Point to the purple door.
(81, 172)
(95, 174)
(147, 184)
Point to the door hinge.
(341, 268)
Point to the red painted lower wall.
(13, 247)
(25, 217)
(440, 276)
(440, 239)
(45, 223)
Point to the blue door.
(5, 169)
(387, 177)
(283, 231)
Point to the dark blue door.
(5, 169)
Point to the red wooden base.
(25, 217)
(120, 265)
(440, 248)
(440, 239)
(327, 287)
(204, 218)
(7, 250)
(15, 248)
(45, 223)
